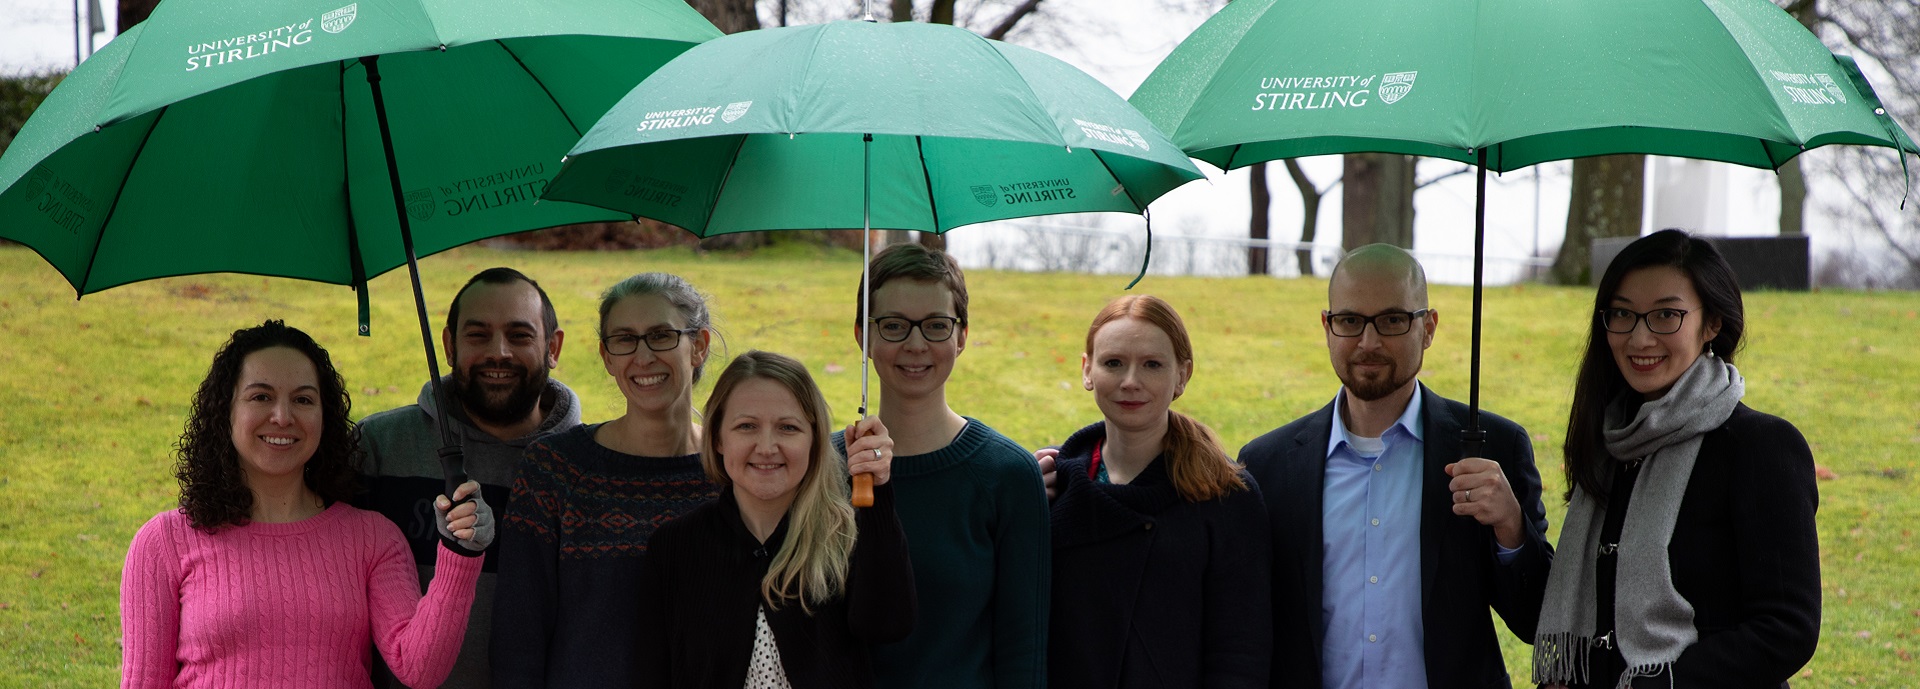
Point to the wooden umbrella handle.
(863, 490)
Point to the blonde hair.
(812, 564)
(1196, 462)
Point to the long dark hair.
(213, 489)
(1588, 464)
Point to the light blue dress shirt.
(1370, 597)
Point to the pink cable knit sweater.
(287, 605)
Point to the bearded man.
(501, 338)
(1389, 547)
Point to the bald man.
(1389, 548)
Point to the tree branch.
(1020, 11)
(1422, 185)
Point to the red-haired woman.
(1160, 541)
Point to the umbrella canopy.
(1504, 84)
(259, 137)
(766, 130)
(1736, 81)
(241, 136)
(854, 124)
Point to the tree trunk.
(1377, 200)
(132, 12)
(1793, 198)
(1608, 199)
(941, 13)
(1257, 222)
(1793, 184)
(903, 10)
(1310, 211)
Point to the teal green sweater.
(975, 517)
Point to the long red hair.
(1198, 465)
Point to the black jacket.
(1150, 590)
(700, 590)
(1745, 554)
(1460, 575)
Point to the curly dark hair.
(213, 489)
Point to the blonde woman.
(779, 582)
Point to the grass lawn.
(94, 393)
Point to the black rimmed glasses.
(663, 340)
(1386, 324)
(933, 328)
(1659, 321)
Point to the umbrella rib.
(1116, 180)
(117, 195)
(933, 206)
(539, 83)
(726, 175)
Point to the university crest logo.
(985, 194)
(1396, 85)
(1137, 140)
(1833, 89)
(420, 204)
(37, 181)
(338, 20)
(735, 111)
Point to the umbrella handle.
(1473, 443)
(863, 490)
(453, 466)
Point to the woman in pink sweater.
(265, 577)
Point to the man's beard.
(500, 408)
(1376, 388)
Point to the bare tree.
(1884, 37)
(1257, 225)
(1310, 197)
(132, 12)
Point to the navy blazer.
(1460, 574)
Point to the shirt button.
(1373, 580)
(1376, 467)
(1376, 522)
(1372, 639)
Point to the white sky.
(1120, 43)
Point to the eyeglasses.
(657, 340)
(934, 328)
(1386, 324)
(1659, 321)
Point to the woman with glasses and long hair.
(265, 576)
(1688, 557)
(1160, 540)
(780, 583)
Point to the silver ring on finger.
(877, 454)
(1469, 495)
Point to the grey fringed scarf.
(1652, 622)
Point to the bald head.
(1378, 266)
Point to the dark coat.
(700, 591)
(1150, 590)
(1745, 554)
(1460, 575)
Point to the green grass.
(93, 393)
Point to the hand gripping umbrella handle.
(454, 466)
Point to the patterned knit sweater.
(286, 605)
(570, 554)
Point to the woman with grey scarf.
(1688, 557)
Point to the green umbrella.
(904, 126)
(1504, 84)
(326, 140)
